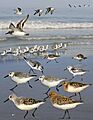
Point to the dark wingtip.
(6, 33)
(27, 34)
(85, 57)
(27, 16)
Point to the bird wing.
(21, 75)
(61, 100)
(28, 101)
(36, 11)
(19, 9)
(11, 26)
(77, 84)
(20, 24)
(77, 70)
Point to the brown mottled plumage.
(74, 87)
(63, 102)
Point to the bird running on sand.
(75, 71)
(79, 57)
(20, 77)
(51, 57)
(50, 81)
(34, 65)
(63, 102)
(18, 29)
(74, 87)
(25, 104)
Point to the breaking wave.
(41, 24)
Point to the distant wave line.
(49, 25)
(50, 38)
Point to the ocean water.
(73, 26)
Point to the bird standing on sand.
(20, 77)
(25, 104)
(79, 57)
(75, 71)
(63, 102)
(34, 65)
(51, 57)
(74, 87)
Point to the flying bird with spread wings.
(18, 29)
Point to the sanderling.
(25, 104)
(18, 29)
(39, 11)
(79, 57)
(18, 11)
(50, 81)
(63, 102)
(50, 9)
(76, 71)
(51, 57)
(34, 65)
(74, 87)
(20, 77)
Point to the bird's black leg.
(73, 95)
(57, 88)
(48, 61)
(29, 84)
(64, 114)
(47, 91)
(80, 95)
(68, 114)
(26, 114)
(56, 61)
(72, 78)
(31, 70)
(81, 77)
(13, 88)
(33, 114)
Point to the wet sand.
(47, 111)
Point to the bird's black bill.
(65, 69)
(6, 76)
(6, 100)
(36, 80)
(59, 86)
(42, 71)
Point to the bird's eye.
(10, 96)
